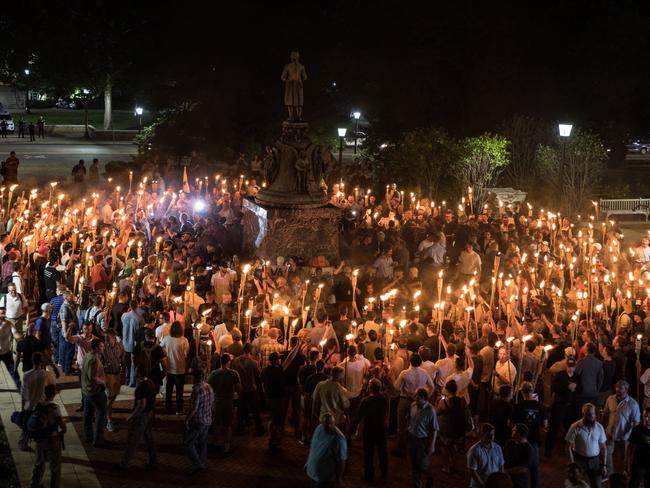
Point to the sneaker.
(110, 427)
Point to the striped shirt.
(56, 303)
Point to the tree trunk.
(108, 103)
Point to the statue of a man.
(293, 75)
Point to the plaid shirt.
(267, 349)
(113, 358)
(201, 403)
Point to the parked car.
(637, 146)
(6, 116)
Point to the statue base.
(297, 170)
(301, 231)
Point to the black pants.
(248, 405)
(483, 407)
(638, 474)
(562, 415)
(277, 413)
(374, 441)
(174, 381)
(392, 415)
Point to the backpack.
(146, 359)
(93, 319)
(4, 285)
(35, 422)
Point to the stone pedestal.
(291, 231)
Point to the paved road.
(53, 158)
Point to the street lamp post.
(86, 92)
(27, 109)
(139, 111)
(342, 132)
(357, 116)
(565, 133)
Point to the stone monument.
(291, 216)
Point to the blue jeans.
(130, 369)
(196, 443)
(55, 334)
(95, 405)
(66, 354)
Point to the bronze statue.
(293, 75)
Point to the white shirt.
(222, 283)
(217, 333)
(444, 367)
(162, 331)
(462, 380)
(371, 325)
(33, 388)
(177, 349)
(621, 415)
(508, 371)
(643, 254)
(354, 372)
(18, 281)
(411, 379)
(429, 367)
(469, 262)
(14, 305)
(585, 439)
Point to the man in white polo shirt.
(15, 307)
(586, 445)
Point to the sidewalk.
(76, 470)
(61, 141)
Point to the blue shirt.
(56, 303)
(485, 460)
(42, 325)
(130, 328)
(326, 453)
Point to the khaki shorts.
(113, 385)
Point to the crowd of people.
(491, 334)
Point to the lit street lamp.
(342, 132)
(27, 109)
(565, 133)
(86, 92)
(357, 116)
(139, 111)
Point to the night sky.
(463, 65)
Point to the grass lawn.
(122, 119)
